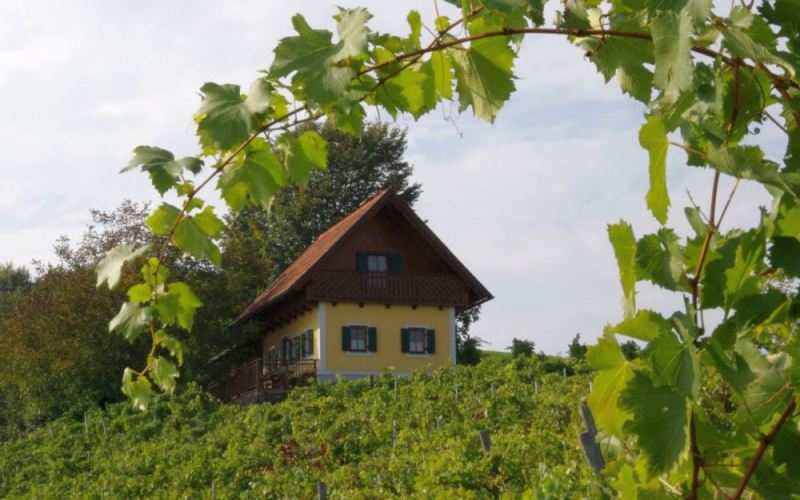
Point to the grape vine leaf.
(672, 48)
(109, 269)
(484, 79)
(613, 373)
(626, 59)
(442, 67)
(223, 119)
(661, 422)
(660, 259)
(255, 178)
(131, 320)
(624, 244)
(646, 325)
(163, 218)
(674, 364)
(164, 374)
(653, 137)
(178, 305)
(140, 391)
(785, 254)
(193, 240)
(304, 153)
(173, 345)
(164, 170)
(140, 292)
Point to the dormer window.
(377, 263)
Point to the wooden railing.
(390, 288)
(283, 373)
(244, 378)
(254, 376)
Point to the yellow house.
(377, 290)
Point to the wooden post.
(85, 424)
(213, 491)
(492, 390)
(591, 449)
(456, 394)
(371, 381)
(394, 431)
(536, 386)
(322, 490)
(486, 443)
(395, 390)
(564, 371)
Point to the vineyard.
(378, 439)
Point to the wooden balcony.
(253, 381)
(389, 288)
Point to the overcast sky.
(523, 203)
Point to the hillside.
(191, 446)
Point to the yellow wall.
(308, 321)
(388, 322)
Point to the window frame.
(361, 329)
(386, 262)
(423, 332)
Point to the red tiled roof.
(295, 276)
(291, 277)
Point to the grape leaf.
(613, 373)
(163, 218)
(660, 259)
(164, 170)
(139, 391)
(626, 59)
(785, 254)
(140, 293)
(178, 305)
(255, 178)
(661, 422)
(164, 374)
(109, 269)
(484, 79)
(131, 320)
(653, 137)
(442, 67)
(307, 152)
(173, 345)
(646, 325)
(223, 119)
(674, 364)
(192, 240)
(672, 48)
(624, 243)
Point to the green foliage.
(715, 78)
(576, 350)
(521, 347)
(342, 434)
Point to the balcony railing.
(247, 381)
(390, 288)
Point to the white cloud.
(524, 203)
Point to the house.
(377, 290)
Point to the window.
(377, 263)
(416, 340)
(358, 338)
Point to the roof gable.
(299, 272)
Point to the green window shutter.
(345, 338)
(430, 342)
(298, 347)
(361, 262)
(372, 339)
(404, 340)
(397, 263)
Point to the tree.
(630, 349)
(259, 244)
(577, 351)
(707, 82)
(13, 281)
(468, 350)
(521, 347)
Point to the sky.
(524, 203)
